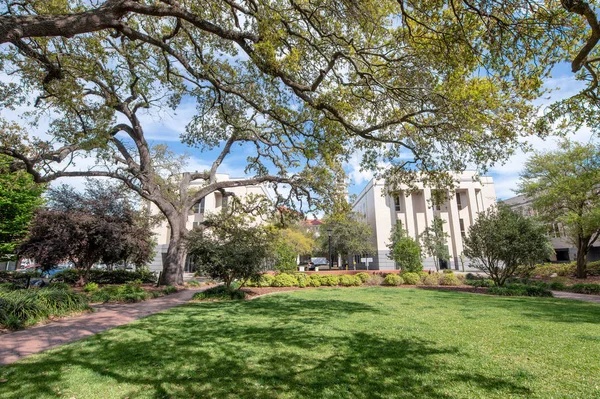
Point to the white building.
(416, 212)
(212, 203)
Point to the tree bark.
(582, 245)
(176, 253)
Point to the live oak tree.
(99, 225)
(19, 198)
(501, 240)
(299, 84)
(563, 188)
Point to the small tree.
(229, 248)
(563, 187)
(405, 251)
(434, 240)
(287, 245)
(87, 228)
(349, 235)
(501, 240)
(19, 197)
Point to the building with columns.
(212, 203)
(416, 211)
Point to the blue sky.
(166, 127)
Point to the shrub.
(449, 279)
(266, 280)
(393, 279)
(585, 288)
(520, 290)
(90, 287)
(59, 285)
(364, 277)
(21, 307)
(315, 280)
(548, 269)
(411, 278)
(480, 283)
(120, 293)
(285, 280)
(557, 285)
(119, 276)
(330, 281)
(347, 280)
(193, 283)
(6, 287)
(169, 289)
(375, 279)
(303, 280)
(593, 268)
(219, 292)
(430, 279)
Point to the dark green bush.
(120, 293)
(348, 280)
(364, 277)
(520, 290)
(219, 292)
(285, 280)
(169, 289)
(393, 279)
(585, 288)
(20, 308)
(480, 283)
(119, 276)
(6, 287)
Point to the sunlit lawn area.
(332, 343)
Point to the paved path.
(572, 295)
(16, 345)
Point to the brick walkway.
(578, 297)
(16, 345)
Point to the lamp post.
(329, 231)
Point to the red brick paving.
(17, 345)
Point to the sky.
(166, 127)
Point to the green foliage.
(90, 287)
(231, 248)
(120, 293)
(405, 251)
(449, 279)
(411, 278)
(501, 240)
(303, 280)
(193, 283)
(21, 308)
(350, 235)
(347, 280)
(393, 279)
(330, 280)
(431, 279)
(19, 197)
(519, 290)
(285, 257)
(285, 280)
(480, 283)
(563, 186)
(315, 280)
(364, 277)
(169, 289)
(103, 277)
(585, 288)
(220, 293)
(435, 241)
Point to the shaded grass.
(332, 343)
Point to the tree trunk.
(582, 258)
(176, 254)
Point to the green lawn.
(332, 343)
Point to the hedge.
(119, 276)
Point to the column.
(409, 216)
(472, 205)
(455, 236)
(428, 207)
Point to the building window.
(461, 222)
(458, 201)
(199, 206)
(397, 206)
